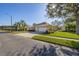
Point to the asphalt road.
(13, 45)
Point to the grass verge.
(69, 43)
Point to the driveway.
(28, 34)
(14, 45)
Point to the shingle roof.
(42, 23)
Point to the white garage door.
(42, 29)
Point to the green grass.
(64, 34)
(69, 43)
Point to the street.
(14, 45)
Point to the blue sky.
(29, 12)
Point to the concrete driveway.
(28, 34)
(14, 45)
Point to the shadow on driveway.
(52, 51)
(4, 32)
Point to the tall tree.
(64, 10)
(21, 25)
(70, 24)
(57, 24)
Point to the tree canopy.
(21, 25)
(64, 10)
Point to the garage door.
(42, 29)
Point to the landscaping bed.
(64, 35)
(69, 43)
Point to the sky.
(29, 12)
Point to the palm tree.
(21, 25)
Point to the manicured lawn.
(65, 35)
(68, 43)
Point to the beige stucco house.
(42, 27)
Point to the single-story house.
(42, 27)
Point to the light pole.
(11, 21)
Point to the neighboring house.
(42, 27)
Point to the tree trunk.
(77, 26)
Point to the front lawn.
(64, 34)
(68, 43)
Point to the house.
(42, 27)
